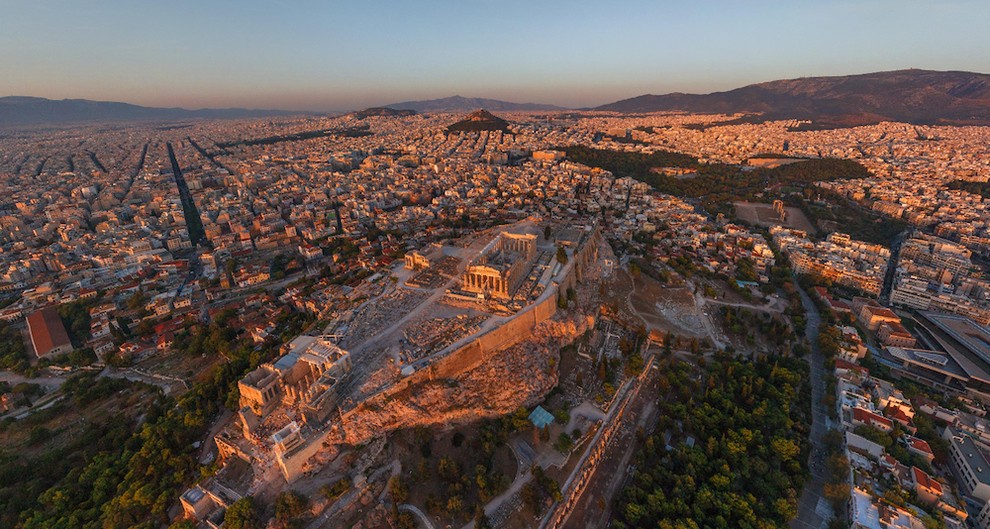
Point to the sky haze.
(308, 55)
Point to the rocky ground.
(518, 376)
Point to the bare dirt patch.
(763, 215)
(666, 309)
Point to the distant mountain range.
(920, 97)
(382, 112)
(467, 104)
(19, 110)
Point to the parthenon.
(501, 265)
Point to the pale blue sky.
(306, 54)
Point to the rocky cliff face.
(518, 376)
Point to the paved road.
(814, 511)
(48, 382)
(194, 222)
(888, 278)
(425, 520)
(767, 307)
(170, 385)
(336, 507)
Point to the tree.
(398, 489)
(481, 520)
(405, 520)
(242, 514)
(561, 255)
(290, 505)
(38, 435)
(786, 449)
(873, 434)
(547, 232)
(130, 470)
(829, 340)
(454, 504)
(339, 487)
(749, 418)
(13, 354)
(75, 317)
(136, 301)
(837, 493)
(564, 443)
(745, 270)
(448, 469)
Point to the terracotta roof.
(925, 481)
(896, 413)
(894, 326)
(844, 364)
(47, 331)
(866, 416)
(921, 445)
(882, 312)
(838, 304)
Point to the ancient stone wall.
(506, 335)
(425, 382)
(519, 328)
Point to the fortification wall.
(474, 353)
(519, 328)
(506, 335)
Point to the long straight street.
(814, 512)
(194, 223)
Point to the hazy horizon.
(308, 56)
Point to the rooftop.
(862, 415)
(47, 331)
(932, 359)
(967, 332)
(540, 417)
(974, 456)
(194, 494)
(926, 481)
(921, 445)
(864, 512)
